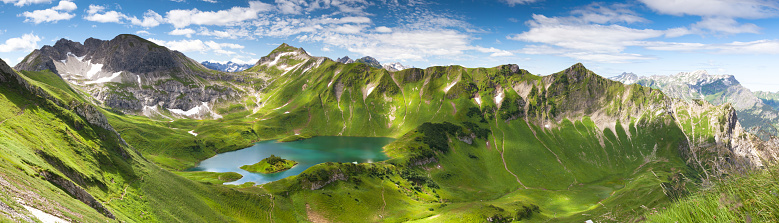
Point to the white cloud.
(750, 9)
(495, 52)
(383, 29)
(290, 6)
(399, 45)
(210, 1)
(142, 32)
(718, 16)
(586, 37)
(231, 33)
(26, 2)
(197, 45)
(95, 9)
(53, 14)
(512, 3)
(725, 25)
(97, 13)
(590, 34)
(325, 49)
(26, 42)
(65, 6)
(183, 18)
(240, 61)
(768, 47)
(46, 15)
(182, 32)
(150, 19)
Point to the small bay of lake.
(307, 153)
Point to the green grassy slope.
(473, 144)
(749, 198)
(51, 156)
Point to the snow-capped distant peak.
(229, 66)
(396, 66)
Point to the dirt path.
(315, 217)
(503, 150)
(547, 148)
(383, 200)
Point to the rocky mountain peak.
(575, 73)
(396, 66)
(345, 60)
(626, 78)
(370, 61)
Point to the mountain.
(63, 159)
(344, 60)
(133, 75)
(472, 144)
(226, 67)
(756, 116)
(370, 61)
(769, 98)
(393, 67)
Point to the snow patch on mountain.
(228, 66)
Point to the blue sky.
(646, 37)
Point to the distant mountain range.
(226, 67)
(392, 67)
(756, 111)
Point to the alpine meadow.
(143, 128)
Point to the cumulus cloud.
(97, 13)
(183, 18)
(150, 19)
(182, 32)
(26, 42)
(718, 16)
(53, 14)
(383, 29)
(65, 6)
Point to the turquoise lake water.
(307, 153)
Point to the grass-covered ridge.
(272, 164)
(472, 144)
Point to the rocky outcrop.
(335, 175)
(756, 117)
(131, 74)
(345, 60)
(370, 61)
(77, 192)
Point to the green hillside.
(473, 145)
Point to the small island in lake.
(272, 164)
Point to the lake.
(307, 153)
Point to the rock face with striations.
(753, 113)
(345, 60)
(135, 75)
(370, 61)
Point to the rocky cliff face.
(370, 61)
(345, 60)
(754, 114)
(134, 75)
